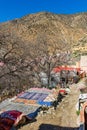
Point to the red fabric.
(13, 115)
(6, 123)
(9, 118)
(62, 91)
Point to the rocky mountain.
(20, 39)
(59, 29)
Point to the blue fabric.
(81, 127)
(45, 103)
(33, 96)
(23, 95)
(33, 114)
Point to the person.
(59, 98)
(55, 104)
(81, 127)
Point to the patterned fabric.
(33, 96)
(13, 115)
(6, 123)
(9, 118)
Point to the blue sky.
(11, 9)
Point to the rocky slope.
(21, 40)
(66, 29)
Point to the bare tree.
(46, 58)
(15, 64)
(22, 63)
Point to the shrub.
(78, 112)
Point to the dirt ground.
(63, 118)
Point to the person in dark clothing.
(59, 98)
(55, 104)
